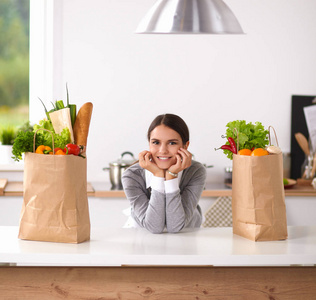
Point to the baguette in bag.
(82, 124)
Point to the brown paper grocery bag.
(258, 205)
(55, 204)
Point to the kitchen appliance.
(117, 168)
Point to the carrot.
(82, 124)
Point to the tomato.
(73, 149)
(60, 152)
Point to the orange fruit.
(259, 152)
(244, 152)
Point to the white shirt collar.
(150, 175)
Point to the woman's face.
(164, 144)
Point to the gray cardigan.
(154, 210)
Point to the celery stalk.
(60, 104)
(73, 113)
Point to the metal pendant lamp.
(189, 17)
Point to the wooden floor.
(181, 283)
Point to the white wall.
(208, 80)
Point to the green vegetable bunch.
(249, 135)
(60, 140)
(24, 141)
(25, 137)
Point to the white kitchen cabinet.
(104, 212)
(108, 212)
(10, 208)
(301, 210)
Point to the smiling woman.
(165, 186)
(168, 137)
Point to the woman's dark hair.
(172, 121)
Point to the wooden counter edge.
(17, 190)
(3, 183)
(109, 194)
(206, 193)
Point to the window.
(14, 62)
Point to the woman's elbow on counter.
(154, 229)
(175, 229)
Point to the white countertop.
(138, 247)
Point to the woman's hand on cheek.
(184, 160)
(146, 162)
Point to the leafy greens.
(249, 135)
(24, 141)
(60, 140)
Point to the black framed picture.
(298, 124)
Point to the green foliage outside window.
(14, 62)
